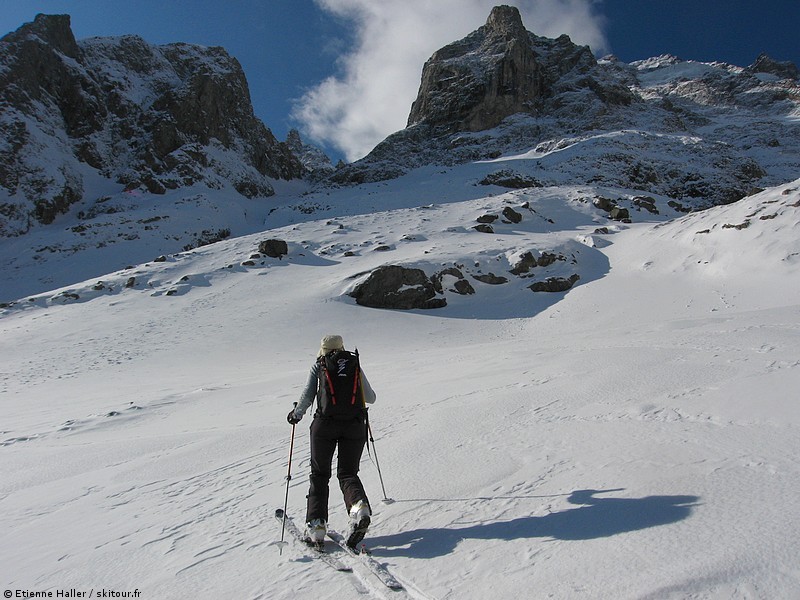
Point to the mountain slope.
(633, 438)
(663, 133)
(632, 434)
(723, 130)
(104, 111)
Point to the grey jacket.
(310, 391)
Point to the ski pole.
(288, 479)
(377, 464)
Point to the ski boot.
(359, 523)
(315, 533)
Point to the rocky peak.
(662, 125)
(314, 160)
(783, 69)
(53, 30)
(500, 70)
(505, 22)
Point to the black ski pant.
(326, 434)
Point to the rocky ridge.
(501, 70)
(152, 118)
(572, 119)
(315, 162)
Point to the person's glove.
(293, 418)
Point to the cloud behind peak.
(379, 76)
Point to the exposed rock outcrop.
(452, 280)
(397, 287)
(501, 70)
(273, 248)
(783, 69)
(314, 160)
(554, 284)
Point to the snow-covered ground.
(635, 437)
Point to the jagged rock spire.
(506, 22)
(498, 70)
(53, 30)
(766, 64)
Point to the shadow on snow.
(596, 518)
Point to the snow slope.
(635, 437)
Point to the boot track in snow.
(366, 559)
(295, 532)
(363, 557)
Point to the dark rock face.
(274, 248)
(460, 286)
(53, 29)
(620, 214)
(554, 284)
(314, 160)
(527, 262)
(500, 70)
(497, 71)
(511, 215)
(782, 69)
(509, 179)
(150, 117)
(397, 287)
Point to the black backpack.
(339, 387)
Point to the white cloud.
(381, 74)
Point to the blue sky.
(345, 72)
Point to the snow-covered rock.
(701, 133)
(150, 118)
(316, 162)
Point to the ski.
(318, 549)
(366, 559)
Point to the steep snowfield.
(635, 437)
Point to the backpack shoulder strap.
(356, 378)
(325, 379)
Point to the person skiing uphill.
(342, 391)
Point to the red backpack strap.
(355, 383)
(357, 379)
(331, 390)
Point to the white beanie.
(330, 342)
